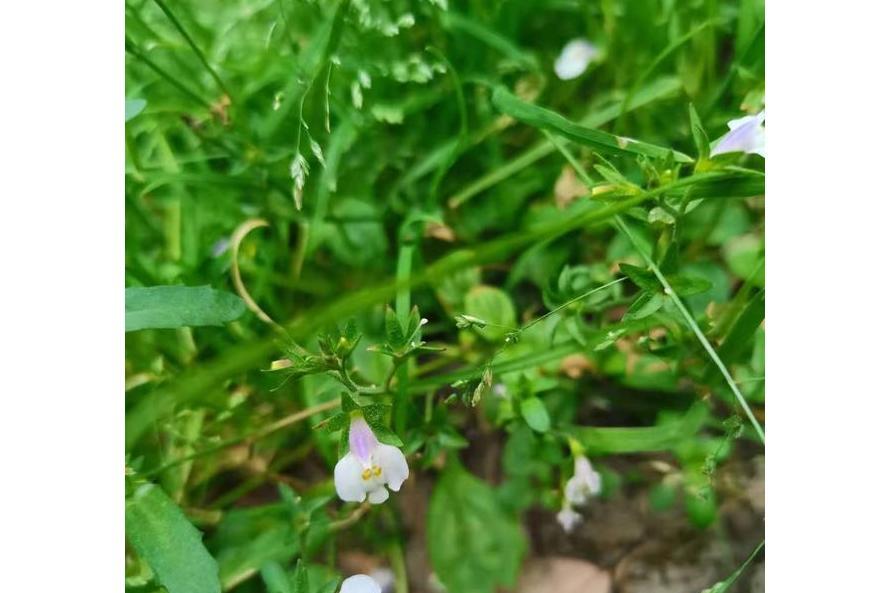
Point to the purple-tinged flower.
(368, 467)
(574, 59)
(568, 517)
(746, 134)
(360, 583)
(585, 484)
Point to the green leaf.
(740, 334)
(395, 337)
(159, 531)
(168, 307)
(744, 255)
(494, 307)
(276, 579)
(661, 437)
(535, 414)
(646, 304)
(702, 145)
(645, 279)
(687, 285)
(545, 119)
(133, 107)
(474, 545)
(723, 586)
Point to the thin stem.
(671, 293)
(188, 38)
(131, 48)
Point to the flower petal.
(362, 441)
(746, 134)
(394, 465)
(360, 583)
(378, 496)
(568, 518)
(574, 59)
(348, 479)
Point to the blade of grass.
(657, 90)
(191, 42)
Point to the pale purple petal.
(360, 583)
(362, 441)
(746, 134)
(348, 479)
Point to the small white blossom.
(574, 59)
(568, 518)
(369, 467)
(746, 134)
(585, 484)
(360, 583)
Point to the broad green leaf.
(156, 307)
(661, 437)
(646, 304)
(535, 414)
(133, 107)
(159, 531)
(685, 285)
(493, 306)
(551, 121)
(641, 277)
(474, 545)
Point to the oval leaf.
(493, 306)
(158, 530)
(157, 307)
(535, 414)
(474, 545)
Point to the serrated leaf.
(646, 304)
(540, 117)
(395, 336)
(535, 414)
(168, 307)
(645, 279)
(159, 531)
(474, 545)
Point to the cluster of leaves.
(558, 235)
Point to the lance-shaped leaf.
(168, 307)
(510, 104)
(158, 530)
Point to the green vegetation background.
(370, 139)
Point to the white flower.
(585, 484)
(360, 583)
(368, 467)
(574, 59)
(568, 518)
(746, 134)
